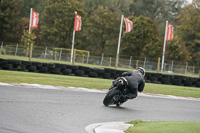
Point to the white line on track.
(93, 90)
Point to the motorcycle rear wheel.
(108, 100)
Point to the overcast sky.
(190, 1)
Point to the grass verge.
(164, 127)
(75, 81)
(53, 79)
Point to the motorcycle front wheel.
(108, 100)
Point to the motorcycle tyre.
(109, 97)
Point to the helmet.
(141, 70)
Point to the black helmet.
(141, 70)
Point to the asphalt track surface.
(35, 110)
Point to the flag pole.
(72, 50)
(30, 21)
(163, 56)
(120, 32)
(29, 31)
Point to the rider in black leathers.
(136, 83)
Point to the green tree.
(156, 8)
(119, 7)
(188, 29)
(58, 21)
(22, 25)
(9, 19)
(27, 39)
(37, 5)
(103, 30)
(143, 40)
(159, 10)
(176, 50)
(147, 8)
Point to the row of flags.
(34, 19)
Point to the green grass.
(172, 90)
(53, 79)
(97, 83)
(164, 127)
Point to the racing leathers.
(136, 83)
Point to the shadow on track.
(120, 108)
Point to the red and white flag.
(34, 19)
(77, 23)
(129, 25)
(169, 32)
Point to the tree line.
(101, 24)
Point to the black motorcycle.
(115, 94)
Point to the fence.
(150, 64)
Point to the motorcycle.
(115, 94)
